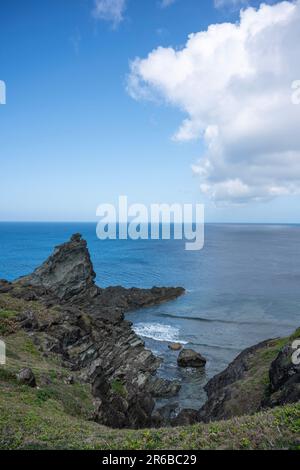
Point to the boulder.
(175, 346)
(190, 358)
(26, 377)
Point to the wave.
(158, 332)
(218, 320)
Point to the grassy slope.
(57, 414)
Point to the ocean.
(242, 288)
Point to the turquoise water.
(243, 287)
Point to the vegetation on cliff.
(57, 414)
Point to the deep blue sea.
(243, 287)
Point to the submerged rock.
(175, 346)
(190, 358)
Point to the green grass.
(118, 387)
(7, 314)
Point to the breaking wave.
(158, 332)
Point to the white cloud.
(110, 10)
(167, 3)
(233, 82)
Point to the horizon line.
(96, 222)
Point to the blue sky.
(72, 136)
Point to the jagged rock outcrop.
(67, 278)
(85, 326)
(68, 272)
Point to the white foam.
(158, 331)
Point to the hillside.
(57, 413)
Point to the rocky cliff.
(262, 376)
(84, 325)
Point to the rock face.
(261, 376)
(284, 379)
(190, 358)
(225, 397)
(86, 328)
(66, 273)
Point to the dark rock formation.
(284, 379)
(86, 327)
(225, 397)
(190, 358)
(26, 377)
(243, 387)
(66, 273)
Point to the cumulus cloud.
(233, 82)
(110, 10)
